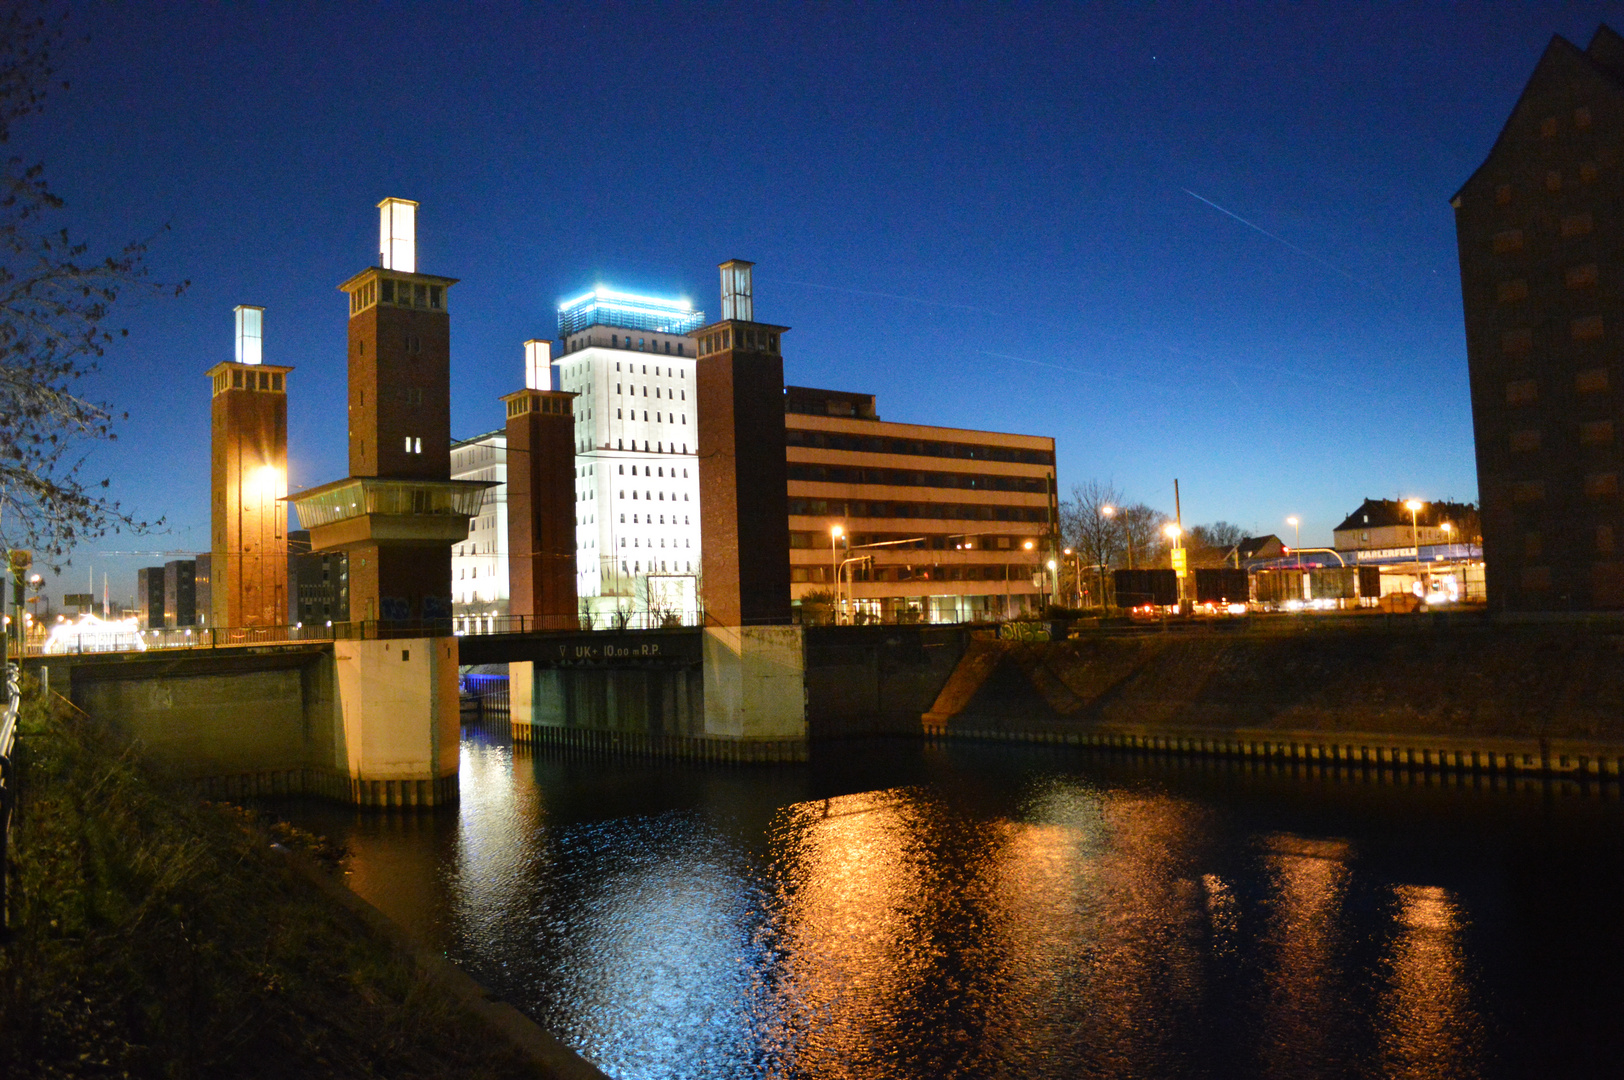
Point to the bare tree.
(54, 302)
(1209, 544)
(1090, 527)
(1143, 525)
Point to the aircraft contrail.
(1279, 240)
(886, 295)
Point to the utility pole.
(1178, 521)
(1050, 510)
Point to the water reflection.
(1428, 1025)
(1305, 980)
(992, 914)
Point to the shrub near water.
(154, 935)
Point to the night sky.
(1002, 217)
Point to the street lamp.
(1449, 531)
(1414, 507)
(1127, 537)
(835, 533)
(1296, 539)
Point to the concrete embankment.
(1473, 695)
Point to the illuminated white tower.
(630, 360)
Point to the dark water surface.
(899, 911)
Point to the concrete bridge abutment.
(369, 722)
(721, 694)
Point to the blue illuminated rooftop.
(606, 307)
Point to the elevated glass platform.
(607, 307)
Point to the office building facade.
(629, 360)
(1538, 225)
(318, 583)
(935, 524)
(149, 597)
(479, 564)
(180, 594)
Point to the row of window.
(747, 337)
(873, 444)
(1508, 241)
(654, 470)
(686, 543)
(1526, 391)
(659, 447)
(1575, 277)
(663, 567)
(1601, 485)
(684, 393)
(624, 341)
(1553, 182)
(994, 572)
(924, 511)
(1591, 433)
(1520, 342)
(412, 294)
(939, 542)
(836, 474)
(239, 379)
(648, 519)
(659, 417)
(651, 498)
(1534, 545)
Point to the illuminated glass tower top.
(606, 307)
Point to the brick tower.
(1538, 231)
(542, 509)
(398, 512)
(743, 483)
(248, 420)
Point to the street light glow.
(1172, 532)
(836, 531)
(1414, 505)
(1027, 545)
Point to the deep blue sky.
(980, 213)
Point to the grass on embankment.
(154, 935)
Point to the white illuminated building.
(479, 565)
(631, 360)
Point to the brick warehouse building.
(1540, 225)
(966, 517)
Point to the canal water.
(895, 910)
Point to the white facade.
(637, 466)
(479, 565)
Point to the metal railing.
(614, 621)
(208, 637)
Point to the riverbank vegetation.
(156, 935)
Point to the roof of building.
(629, 311)
(1604, 56)
(809, 401)
(499, 433)
(1253, 546)
(1382, 513)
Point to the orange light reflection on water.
(1430, 1027)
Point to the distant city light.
(91, 634)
